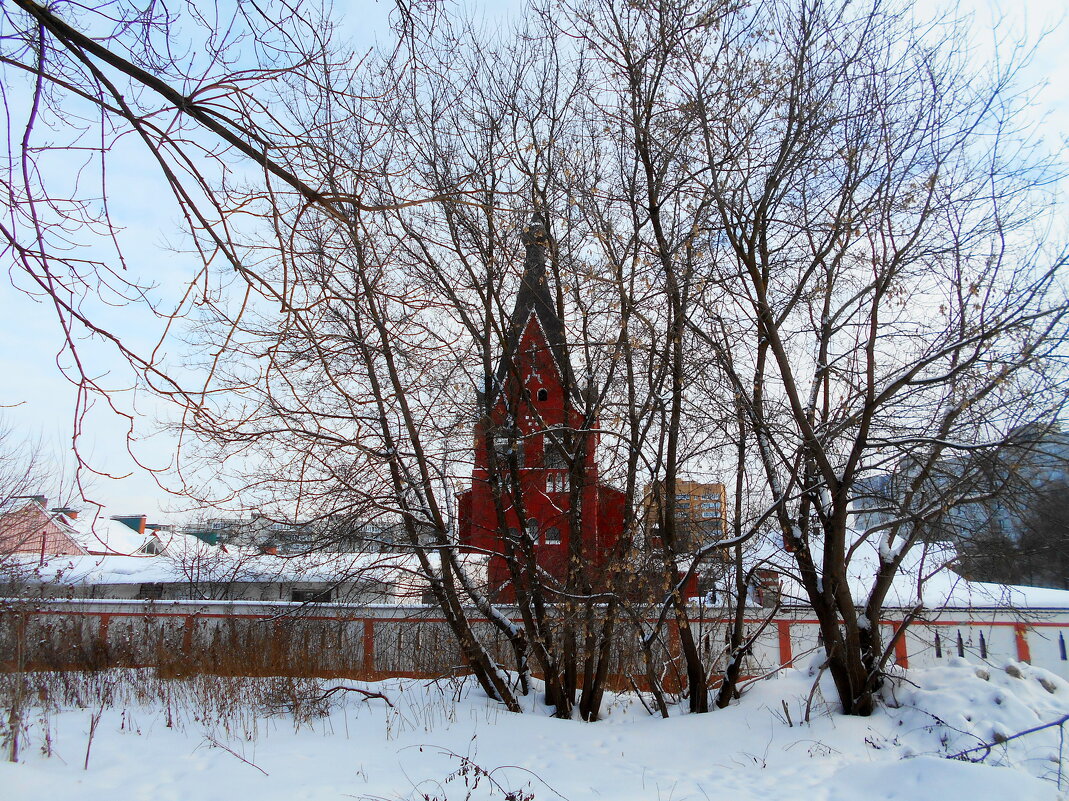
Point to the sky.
(37, 403)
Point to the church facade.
(535, 491)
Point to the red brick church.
(540, 442)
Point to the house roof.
(95, 531)
(27, 525)
(98, 533)
(189, 560)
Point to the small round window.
(543, 394)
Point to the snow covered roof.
(95, 530)
(187, 559)
(926, 578)
(99, 533)
(27, 526)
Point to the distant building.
(334, 533)
(28, 526)
(257, 530)
(985, 492)
(700, 519)
(1004, 506)
(700, 513)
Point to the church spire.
(534, 288)
(534, 298)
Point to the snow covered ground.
(180, 740)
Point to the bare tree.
(205, 93)
(32, 484)
(879, 246)
(791, 240)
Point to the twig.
(93, 721)
(638, 693)
(366, 693)
(231, 751)
(468, 764)
(1061, 749)
(813, 689)
(986, 747)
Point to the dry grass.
(292, 647)
(224, 707)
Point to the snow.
(445, 740)
(99, 533)
(177, 564)
(926, 578)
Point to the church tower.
(534, 450)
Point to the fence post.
(104, 651)
(369, 646)
(1024, 653)
(187, 634)
(901, 657)
(786, 654)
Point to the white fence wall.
(388, 638)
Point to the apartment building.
(700, 513)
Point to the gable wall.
(32, 530)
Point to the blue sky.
(37, 402)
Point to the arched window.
(552, 536)
(557, 477)
(532, 529)
(556, 481)
(543, 394)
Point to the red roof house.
(30, 528)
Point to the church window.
(552, 536)
(543, 394)
(532, 530)
(505, 447)
(557, 482)
(502, 447)
(553, 459)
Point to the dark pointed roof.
(534, 297)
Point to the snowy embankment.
(211, 739)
